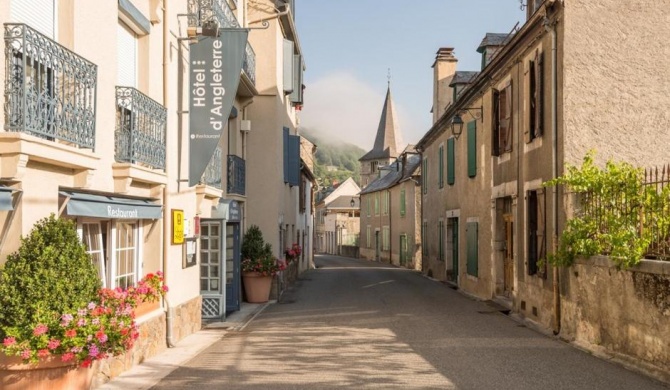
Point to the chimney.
(444, 69)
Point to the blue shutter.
(286, 135)
(293, 160)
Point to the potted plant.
(55, 320)
(259, 266)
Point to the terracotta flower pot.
(145, 308)
(257, 287)
(49, 373)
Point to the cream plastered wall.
(616, 80)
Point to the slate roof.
(463, 77)
(492, 39)
(385, 143)
(395, 176)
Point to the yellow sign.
(177, 226)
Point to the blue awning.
(6, 198)
(114, 207)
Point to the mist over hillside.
(336, 159)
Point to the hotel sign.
(214, 76)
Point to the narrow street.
(358, 324)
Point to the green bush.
(254, 246)
(50, 274)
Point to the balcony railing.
(237, 175)
(140, 129)
(201, 12)
(249, 63)
(213, 173)
(50, 92)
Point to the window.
(424, 176)
(126, 56)
(440, 167)
(368, 205)
(440, 240)
(386, 238)
(368, 237)
(40, 14)
(404, 252)
(536, 98)
(402, 202)
(377, 203)
(536, 231)
(373, 166)
(114, 247)
(471, 232)
(451, 161)
(385, 203)
(472, 149)
(502, 120)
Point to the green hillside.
(335, 160)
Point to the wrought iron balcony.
(140, 129)
(237, 175)
(249, 63)
(50, 92)
(213, 173)
(202, 12)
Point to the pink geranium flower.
(9, 341)
(40, 330)
(67, 357)
(26, 353)
(43, 353)
(53, 344)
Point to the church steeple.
(386, 142)
(386, 147)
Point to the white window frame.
(109, 279)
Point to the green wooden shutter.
(402, 202)
(472, 149)
(451, 162)
(471, 232)
(440, 167)
(424, 175)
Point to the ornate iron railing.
(237, 175)
(214, 172)
(50, 92)
(140, 129)
(201, 12)
(249, 63)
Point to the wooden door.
(508, 260)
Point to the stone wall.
(186, 318)
(150, 343)
(624, 313)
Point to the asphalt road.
(356, 324)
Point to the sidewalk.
(149, 373)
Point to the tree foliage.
(331, 153)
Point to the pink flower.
(43, 353)
(91, 305)
(165, 288)
(66, 319)
(40, 330)
(26, 353)
(67, 357)
(82, 312)
(93, 350)
(53, 344)
(81, 322)
(76, 349)
(9, 341)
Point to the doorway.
(211, 269)
(233, 285)
(452, 250)
(508, 259)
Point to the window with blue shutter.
(451, 162)
(285, 142)
(293, 160)
(472, 149)
(471, 232)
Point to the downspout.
(554, 166)
(166, 208)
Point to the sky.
(349, 45)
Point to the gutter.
(166, 305)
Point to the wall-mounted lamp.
(457, 121)
(353, 202)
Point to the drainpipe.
(551, 27)
(166, 208)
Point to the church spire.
(386, 141)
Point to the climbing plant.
(609, 215)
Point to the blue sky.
(348, 46)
